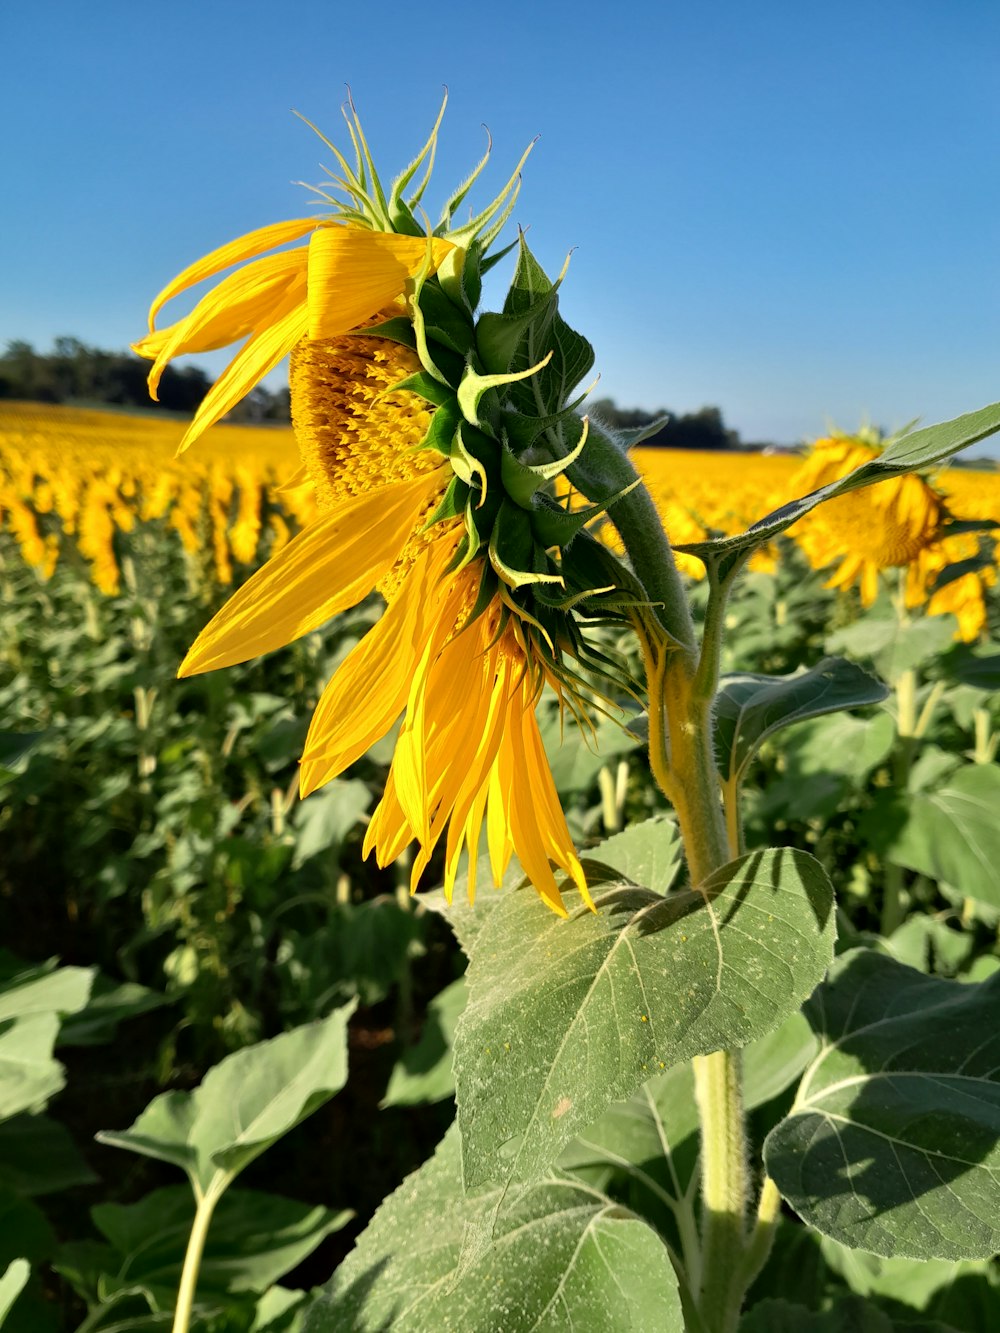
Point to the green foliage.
(245, 1104)
(556, 1255)
(892, 1143)
(566, 1017)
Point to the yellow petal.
(369, 689)
(244, 247)
(354, 273)
(330, 566)
(242, 303)
(255, 359)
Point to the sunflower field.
(173, 912)
(560, 879)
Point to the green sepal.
(498, 336)
(473, 386)
(589, 563)
(399, 329)
(466, 464)
(522, 480)
(513, 551)
(480, 515)
(630, 438)
(555, 526)
(521, 430)
(452, 503)
(442, 428)
(445, 322)
(530, 283)
(424, 386)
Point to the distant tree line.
(704, 429)
(75, 373)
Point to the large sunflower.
(397, 395)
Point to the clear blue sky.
(791, 210)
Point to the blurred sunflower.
(421, 499)
(901, 523)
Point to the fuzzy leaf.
(893, 1145)
(555, 1256)
(566, 1017)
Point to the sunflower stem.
(683, 764)
(605, 469)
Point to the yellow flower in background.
(403, 510)
(901, 523)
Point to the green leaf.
(25, 1232)
(906, 453)
(852, 1315)
(824, 759)
(562, 1256)
(935, 1287)
(326, 818)
(750, 708)
(424, 1073)
(12, 1284)
(29, 1075)
(254, 1239)
(37, 1156)
(893, 1144)
(648, 854)
(894, 647)
(657, 1118)
(109, 1004)
(566, 1017)
(41, 990)
(953, 833)
(576, 759)
(981, 670)
(243, 1105)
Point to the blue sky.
(788, 210)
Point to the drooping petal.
(354, 273)
(254, 360)
(237, 306)
(234, 252)
(327, 568)
(369, 689)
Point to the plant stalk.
(683, 763)
(192, 1260)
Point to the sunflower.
(406, 410)
(904, 522)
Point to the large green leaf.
(29, 1075)
(29, 989)
(662, 1114)
(254, 1239)
(952, 833)
(750, 708)
(243, 1105)
(566, 1017)
(893, 1144)
(556, 1256)
(648, 854)
(906, 453)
